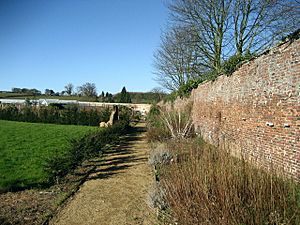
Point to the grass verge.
(86, 147)
(38, 205)
(25, 147)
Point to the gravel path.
(116, 192)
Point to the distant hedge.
(71, 114)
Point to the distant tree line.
(107, 97)
(123, 97)
(88, 92)
(26, 91)
(57, 114)
(153, 96)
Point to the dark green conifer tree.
(124, 96)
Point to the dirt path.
(116, 192)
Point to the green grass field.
(24, 147)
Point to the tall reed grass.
(208, 186)
(164, 124)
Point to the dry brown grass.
(208, 186)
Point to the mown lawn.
(24, 148)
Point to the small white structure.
(47, 102)
(12, 101)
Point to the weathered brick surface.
(255, 111)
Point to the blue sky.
(47, 44)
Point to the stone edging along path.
(116, 191)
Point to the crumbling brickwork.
(256, 110)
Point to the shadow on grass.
(121, 158)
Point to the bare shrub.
(169, 123)
(156, 131)
(156, 197)
(179, 123)
(208, 186)
(160, 154)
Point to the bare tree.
(254, 25)
(87, 89)
(257, 24)
(209, 21)
(204, 33)
(175, 60)
(69, 88)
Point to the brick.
(234, 110)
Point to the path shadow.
(119, 158)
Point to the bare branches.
(175, 61)
(208, 18)
(204, 33)
(258, 24)
(87, 89)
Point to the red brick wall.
(255, 111)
